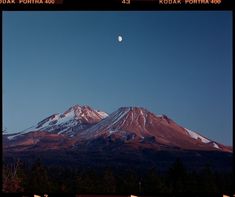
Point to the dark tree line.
(19, 177)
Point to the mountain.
(130, 134)
(133, 125)
(139, 126)
(73, 120)
(49, 132)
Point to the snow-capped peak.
(102, 114)
(125, 119)
(75, 118)
(133, 123)
(86, 113)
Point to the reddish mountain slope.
(133, 126)
(139, 126)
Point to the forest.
(20, 177)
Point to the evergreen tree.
(38, 181)
(88, 182)
(177, 177)
(192, 182)
(109, 182)
(207, 182)
(224, 182)
(129, 182)
(152, 183)
(13, 177)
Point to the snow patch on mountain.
(54, 121)
(103, 114)
(215, 145)
(196, 136)
(63, 123)
(109, 123)
(63, 119)
(119, 115)
(13, 136)
(128, 124)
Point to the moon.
(119, 38)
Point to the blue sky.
(173, 63)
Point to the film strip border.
(117, 4)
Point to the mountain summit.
(138, 126)
(73, 120)
(133, 126)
